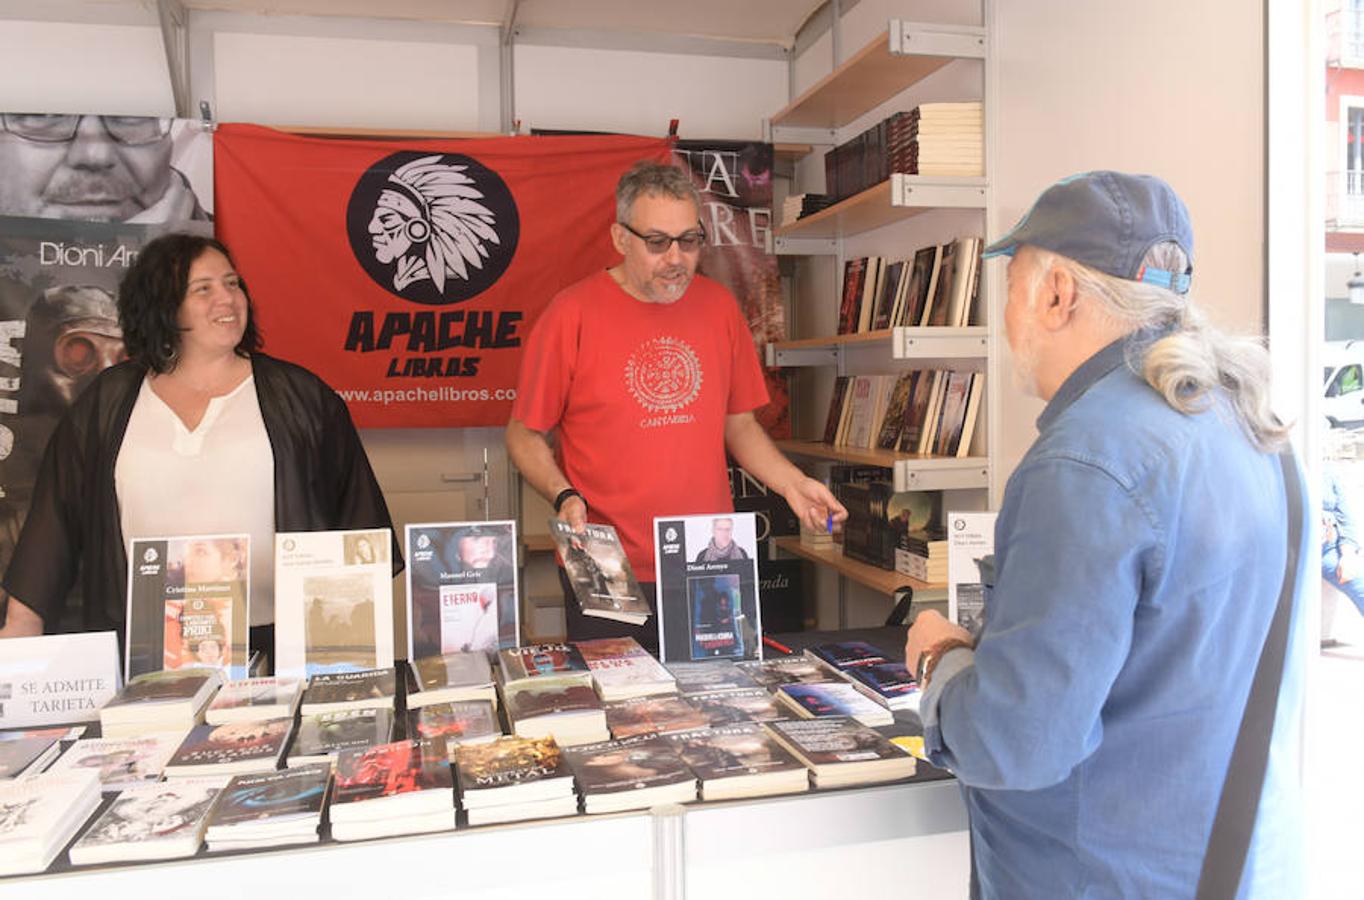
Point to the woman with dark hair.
(198, 432)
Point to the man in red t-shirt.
(647, 373)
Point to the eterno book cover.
(461, 587)
(707, 575)
(602, 578)
(188, 604)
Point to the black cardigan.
(323, 481)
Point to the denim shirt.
(1140, 554)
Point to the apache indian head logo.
(432, 228)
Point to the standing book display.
(603, 581)
(333, 602)
(188, 604)
(707, 576)
(461, 587)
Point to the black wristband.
(563, 496)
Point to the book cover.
(327, 734)
(871, 288)
(953, 413)
(188, 604)
(39, 814)
(264, 695)
(452, 670)
(842, 654)
(840, 392)
(120, 762)
(771, 673)
(734, 707)
(541, 661)
(921, 305)
(549, 698)
(734, 750)
(889, 680)
(147, 694)
(621, 665)
(169, 812)
(461, 587)
(970, 553)
(389, 770)
(17, 756)
(710, 676)
(862, 400)
(233, 742)
(652, 715)
(893, 421)
(261, 798)
(630, 764)
(916, 411)
(949, 270)
(596, 566)
(973, 403)
(854, 273)
(885, 302)
(706, 573)
(832, 699)
(463, 721)
(835, 740)
(351, 687)
(333, 601)
(507, 761)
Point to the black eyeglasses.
(56, 129)
(658, 243)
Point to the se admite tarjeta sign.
(408, 275)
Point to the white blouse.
(217, 479)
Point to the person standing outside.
(1142, 549)
(646, 373)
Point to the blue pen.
(829, 526)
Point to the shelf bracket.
(788, 246)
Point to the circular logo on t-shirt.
(432, 228)
(664, 375)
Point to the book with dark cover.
(600, 573)
(836, 399)
(461, 587)
(241, 744)
(391, 770)
(707, 575)
(452, 670)
(734, 707)
(157, 688)
(854, 274)
(839, 749)
(733, 750)
(932, 288)
(710, 676)
(508, 762)
(326, 734)
(948, 271)
(770, 673)
(371, 688)
(652, 715)
(833, 699)
(550, 698)
(893, 422)
(922, 280)
(254, 699)
(842, 654)
(25, 756)
(460, 722)
(916, 411)
(630, 764)
(953, 415)
(885, 301)
(867, 533)
(547, 661)
(892, 682)
(268, 797)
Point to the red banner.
(408, 274)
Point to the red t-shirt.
(639, 393)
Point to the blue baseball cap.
(1107, 221)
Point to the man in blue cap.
(1143, 552)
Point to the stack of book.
(652, 715)
(840, 751)
(320, 738)
(547, 691)
(461, 722)
(632, 773)
(40, 816)
(451, 677)
(734, 707)
(151, 821)
(922, 555)
(939, 139)
(255, 699)
(740, 761)
(512, 779)
(622, 669)
(159, 701)
(27, 756)
(832, 699)
(771, 673)
(230, 749)
(120, 762)
(400, 788)
(269, 809)
(798, 206)
(337, 691)
(869, 671)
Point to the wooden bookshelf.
(792, 152)
(897, 198)
(878, 579)
(902, 55)
(919, 342)
(910, 471)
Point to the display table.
(910, 835)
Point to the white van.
(1343, 401)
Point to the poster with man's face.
(79, 197)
